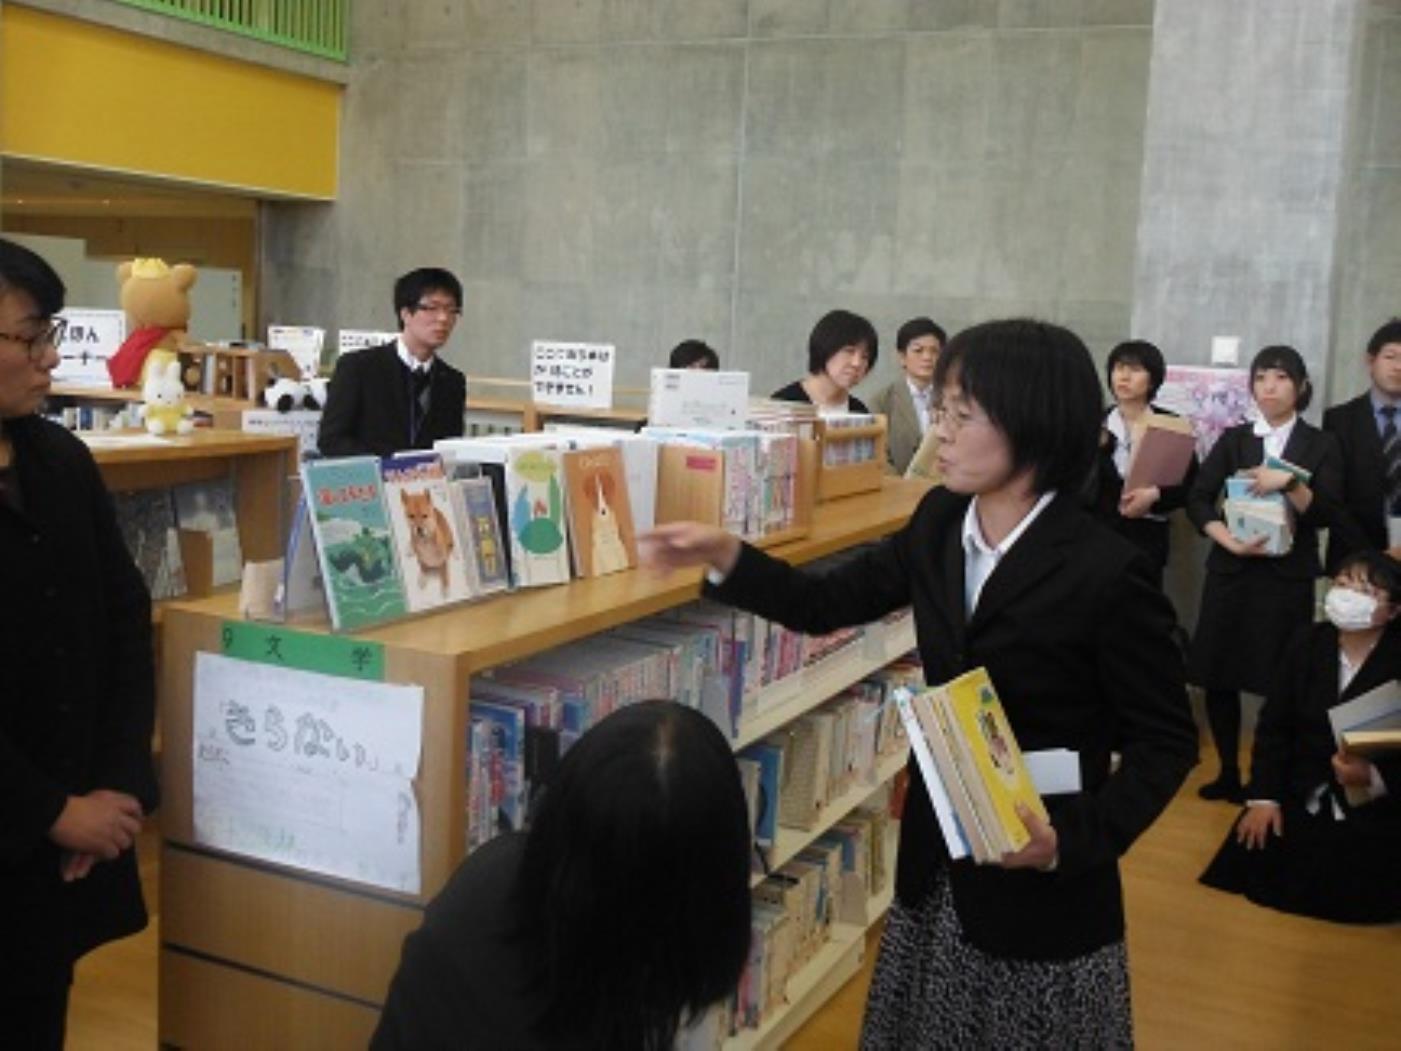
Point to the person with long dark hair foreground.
(1007, 571)
(615, 921)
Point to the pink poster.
(1212, 398)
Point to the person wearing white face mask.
(1299, 845)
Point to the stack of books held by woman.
(1251, 515)
(972, 766)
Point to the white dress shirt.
(1276, 438)
(924, 409)
(980, 558)
(410, 362)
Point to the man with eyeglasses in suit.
(401, 395)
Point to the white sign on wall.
(91, 338)
(572, 375)
(350, 339)
(308, 770)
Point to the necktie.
(1391, 460)
(420, 381)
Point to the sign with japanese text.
(92, 336)
(572, 375)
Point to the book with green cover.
(354, 542)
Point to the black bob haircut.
(835, 330)
(1291, 363)
(633, 899)
(1377, 568)
(24, 271)
(416, 284)
(1037, 383)
(917, 327)
(690, 352)
(1388, 333)
(1143, 354)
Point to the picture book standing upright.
(430, 550)
(600, 519)
(475, 506)
(353, 541)
(536, 520)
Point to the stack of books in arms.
(1250, 516)
(971, 765)
(795, 909)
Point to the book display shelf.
(257, 954)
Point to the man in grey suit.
(907, 402)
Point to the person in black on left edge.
(400, 395)
(78, 704)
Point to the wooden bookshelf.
(250, 949)
(206, 403)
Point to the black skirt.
(1246, 620)
(1347, 871)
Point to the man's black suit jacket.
(1077, 638)
(1360, 522)
(368, 406)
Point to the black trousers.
(36, 1021)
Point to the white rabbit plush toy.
(165, 411)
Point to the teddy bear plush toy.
(163, 400)
(156, 299)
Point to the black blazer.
(367, 405)
(1077, 638)
(1360, 522)
(1239, 448)
(1293, 740)
(77, 706)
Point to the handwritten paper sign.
(91, 338)
(351, 339)
(572, 375)
(308, 770)
(698, 398)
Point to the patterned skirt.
(931, 989)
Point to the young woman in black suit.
(1005, 569)
(1251, 603)
(1135, 371)
(1300, 846)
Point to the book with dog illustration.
(432, 557)
(354, 541)
(600, 518)
(535, 517)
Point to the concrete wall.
(640, 171)
(1244, 168)
(1369, 253)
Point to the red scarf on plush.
(125, 365)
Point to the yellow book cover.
(984, 731)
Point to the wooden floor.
(1208, 969)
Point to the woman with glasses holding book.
(1321, 831)
(1253, 602)
(1006, 570)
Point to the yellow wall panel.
(76, 93)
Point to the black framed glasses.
(449, 309)
(49, 335)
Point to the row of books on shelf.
(857, 450)
(524, 716)
(150, 522)
(96, 417)
(796, 908)
(793, 774)
(421, 530)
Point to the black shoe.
(1224, 789)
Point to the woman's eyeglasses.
(50, 335)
